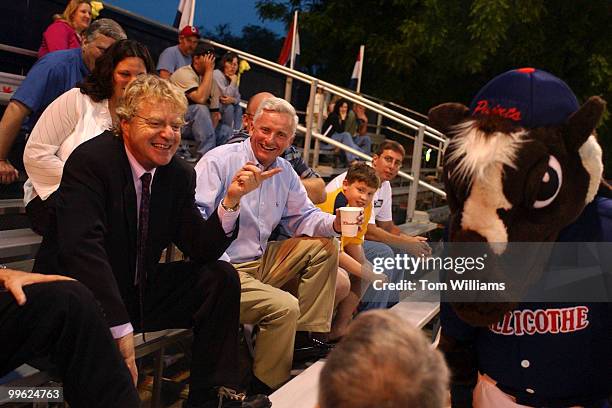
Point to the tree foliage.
(423, 52)
(254, 39)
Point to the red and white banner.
(291, 46)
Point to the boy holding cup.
(355, 273)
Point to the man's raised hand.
(247, 179)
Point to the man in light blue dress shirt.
(311, 257)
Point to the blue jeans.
(379, 299)
(231, 115)
(365, 143)
(199, 127)
(223, 133)
(347, 139)
(231, 119)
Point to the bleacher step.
(417, 309)
(25, 266)
(12, 206)
(18, 243)
(24, 376)
(418, 228)
(439, 214)
(300, 392)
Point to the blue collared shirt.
(281, 199)
(51, 76)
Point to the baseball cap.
(203, 49)
(188, 31)
(528, 96)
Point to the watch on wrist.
(230, 209)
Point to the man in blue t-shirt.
(51, 76)
(172, 58)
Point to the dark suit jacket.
(93, 235)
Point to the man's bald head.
(251, 108)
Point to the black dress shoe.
(305, 340)
(328, 345)
(257, 386)
(312, 350)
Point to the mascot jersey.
(523, 165)
(548, 354)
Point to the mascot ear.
(444, 117)
(583, 122)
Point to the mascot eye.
(550, 184)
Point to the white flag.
(184, 14)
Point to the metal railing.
(366, 157)
(436, 140)
(17, 50)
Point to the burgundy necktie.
(143, 228)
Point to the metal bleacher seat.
(18, 244)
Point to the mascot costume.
(523, 165)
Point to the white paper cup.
(348, 216)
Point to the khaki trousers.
(314, 262)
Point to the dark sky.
(208, 13)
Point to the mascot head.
(522, 162)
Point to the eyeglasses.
(159, 125)
(390, 160)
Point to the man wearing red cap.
(172, 58)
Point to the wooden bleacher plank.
(25, 266)
(19, 242)
(417, 228)
(419, 307)
(417, 314)
(300, 392)
(24, 376)
(16, 203)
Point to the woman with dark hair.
(335, 125)
(226, 79)
(75, 117)
(65, 32)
